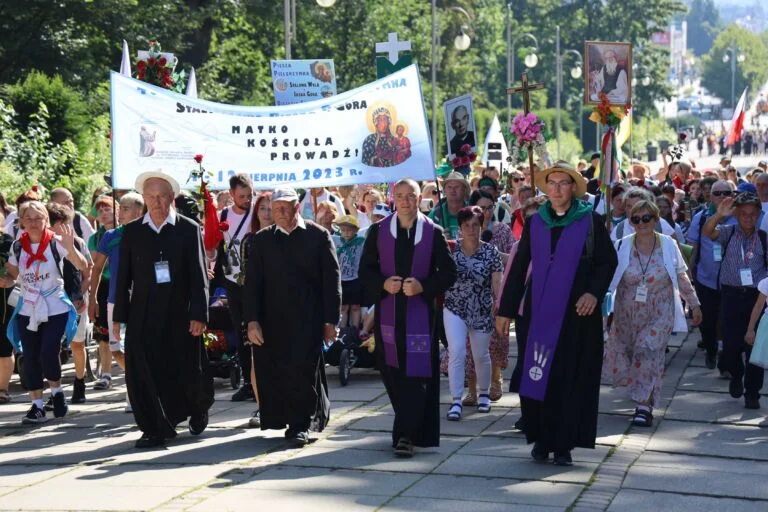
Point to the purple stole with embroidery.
(418, 338)
(552, 281)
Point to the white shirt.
(299, 224)
(306, 209)
(43, 276)
(170, 219)
(233, 239)
(9, 220)
(619, 94)
(85, 226)
(765, 208)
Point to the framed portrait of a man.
(460, 124)
(609, 70)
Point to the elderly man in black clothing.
(291, 299)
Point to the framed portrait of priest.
(608, 70)
(459, 117)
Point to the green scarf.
(348, 245)
(578, 210)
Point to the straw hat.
(158, 174)
(456, 176)
(564, 167)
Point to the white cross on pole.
(393, 47)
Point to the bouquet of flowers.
(157, 69)
(464, 157)
(526, 133)
(608, 115)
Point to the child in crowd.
(349, 249)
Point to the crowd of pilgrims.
(427, 279)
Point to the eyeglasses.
(516, 180)
(645, 219)
(722, 193)
(486, 208)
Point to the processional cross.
(525, 90)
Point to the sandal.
(484, 403)
(454, 413)
(5, 398)
(642, 418)
(496, 390)
(404, 448)
(470, 400)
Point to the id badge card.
(717, 252)
(746, 277)
(641, 295)
(31, 295)
(162, 272)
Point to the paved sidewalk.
(705, 452)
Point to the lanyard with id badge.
(745, 272)
(641, 295)
(162, 271)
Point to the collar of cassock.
(578, 210)
(419, 227)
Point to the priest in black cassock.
(162, 296)
(405, 265)
(291, 303)
(572, 264)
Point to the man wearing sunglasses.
(743, 266)
(705, 266)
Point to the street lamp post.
(575, 73)
(461, 42)
(530, 61)
(289, 21)
(733, 57)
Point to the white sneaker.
(104, 383)
(128, 407)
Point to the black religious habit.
(165, 366)
(292, 288)
(416, 401)
(567, 417)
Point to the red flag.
(737, 123)
(211, 233)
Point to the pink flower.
(466, 148)
(456, 162)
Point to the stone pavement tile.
(632, 501)
(425, 460)
(495, 490)
(53, 436)
(699, 378)
(359, 378)
(676, 340)
(615, 401)
(699, 475)
(248, 500)
(710, 439)
(472, 423)
(14, 475)
(474, 465)
(132, 475)
(323, 480)
(438, 505)
(611, 428)
(505, 426)
(516, 447)
(382, 442)
(88, 497)
(354, 393)
(83, 451)
(217, 446)
(714, 407)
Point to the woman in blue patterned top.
(468, 307)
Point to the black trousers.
(737, 304)
(710, 316)
(235, 303)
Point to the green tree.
(704, 24)
(752, 72)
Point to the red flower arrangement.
(464, 157)
(158, 70)
(607, 114)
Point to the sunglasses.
(721, 193)
(645, 219)
(516, 180)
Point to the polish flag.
(737, 123)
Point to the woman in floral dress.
(649, 284)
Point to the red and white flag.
(737, 123)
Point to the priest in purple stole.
(572, 262)
(405, 265)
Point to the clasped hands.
(410, 286)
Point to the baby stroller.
(346, 353)
(221, 342)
